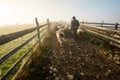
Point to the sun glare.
(5, 14)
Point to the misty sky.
(24, 11)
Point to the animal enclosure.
(108, 35)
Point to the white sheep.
(79, 32)
(67, 27)
(60, 36)
(56, 28)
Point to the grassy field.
(5, 48)
(14, 28)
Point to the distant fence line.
(12, 36)
(102, 24)
(112, 36)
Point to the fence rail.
(9, 37)
(102, 24)
(110, 35)
(99, 23)
(111, 31)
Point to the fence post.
(48, 23)
(38, 31)
(102, 23)
(116, 26)
(83, 22)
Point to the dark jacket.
(74, 24)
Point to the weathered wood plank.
(101, 28)
(115, 44)
(99, 23)
(111, 40)
(5, 57)
(18, 62)
(9, 37)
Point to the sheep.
(62, 31)
(56, 28)
(67, 28)
(79, 32)
(60, 36)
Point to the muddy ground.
(87, 59)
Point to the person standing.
(116, 26)
(74, 26)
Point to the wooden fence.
(110, 35)
(9, 37)
(107, 25)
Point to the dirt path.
(75, 61)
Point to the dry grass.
(14, 28)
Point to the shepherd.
(74, 26)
